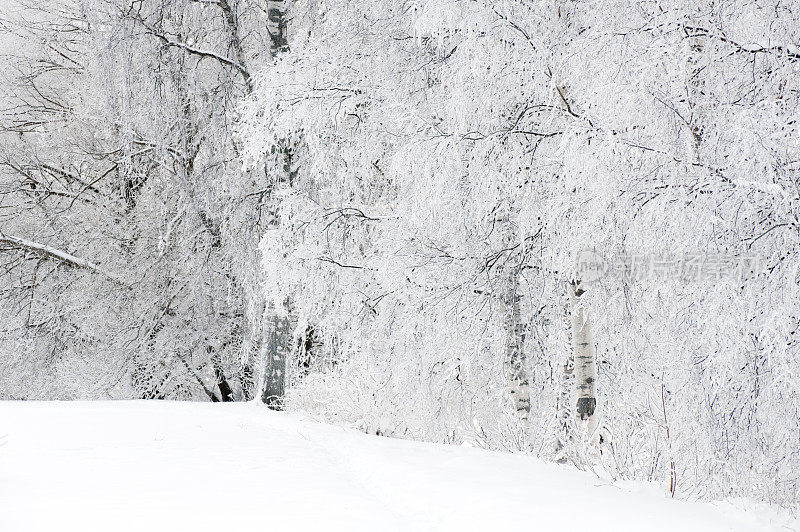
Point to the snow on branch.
(58, 255)
(203, 53)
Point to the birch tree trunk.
(564, 408)
(276, 330)
(696, 91)
(515, 348)
(272, 377)
(276, 26)
(584, 355)
(515, 341)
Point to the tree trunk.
(696, 90)
(272, 378)
(225, 390)
(584, 354)
(276, 26)
(515, 360)
(275, 334)
(515, 348)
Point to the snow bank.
(114, 466)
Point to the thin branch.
(702, 32)
(511, 23)
(560, 91)
(204, 53)
(755, 239)
(350, 266)
(44, 250)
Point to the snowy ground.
(113, 466)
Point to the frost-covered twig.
(58, 255)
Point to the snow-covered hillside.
(112, 466)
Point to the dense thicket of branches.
(117, 151)
(457, 157)
(394, 214)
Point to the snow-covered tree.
(451, 154)
(550, 226)
(118, 149)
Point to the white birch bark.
(585, 361)
(515, 340)
(515, 353)
(696, 89)
(276, 337)
(564, 410)
(276, 26)
(272, 377)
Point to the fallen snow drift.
(112, 466)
